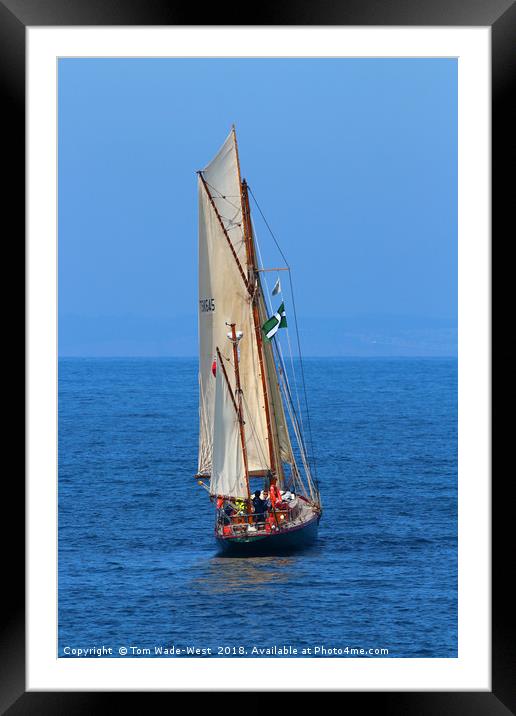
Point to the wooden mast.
(253, 280)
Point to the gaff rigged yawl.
(265, 496)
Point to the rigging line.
(282, 359)
(224, 230)
(285, 389)
(280, 350)
(295, 424)
(302, 452)
(288, 391)
(225, 197)
(264, 278)
(230, 219)
(297, 331)
(242, 245)
(276, 341)
(231, 225)
(298, 426)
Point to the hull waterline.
(284, 541)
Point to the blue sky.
(353, 161)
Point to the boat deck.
(278, 521)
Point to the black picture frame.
(500, 15)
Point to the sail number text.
(207, 305)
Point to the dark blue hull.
(274, 543)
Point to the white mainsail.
(224, 298)
(228, 474)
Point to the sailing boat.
(244, 438)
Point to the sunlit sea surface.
(138, 566)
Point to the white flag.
(277, 288)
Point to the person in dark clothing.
(259, 510)
(228, 512)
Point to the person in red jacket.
(274, 492)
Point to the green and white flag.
(272, 325)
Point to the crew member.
(259, 509)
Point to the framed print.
(361, 143)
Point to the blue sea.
(138, 566)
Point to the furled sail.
(227, 475)
(224, 298)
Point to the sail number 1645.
(207, 305)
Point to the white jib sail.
(227, 475)
(224, 299)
